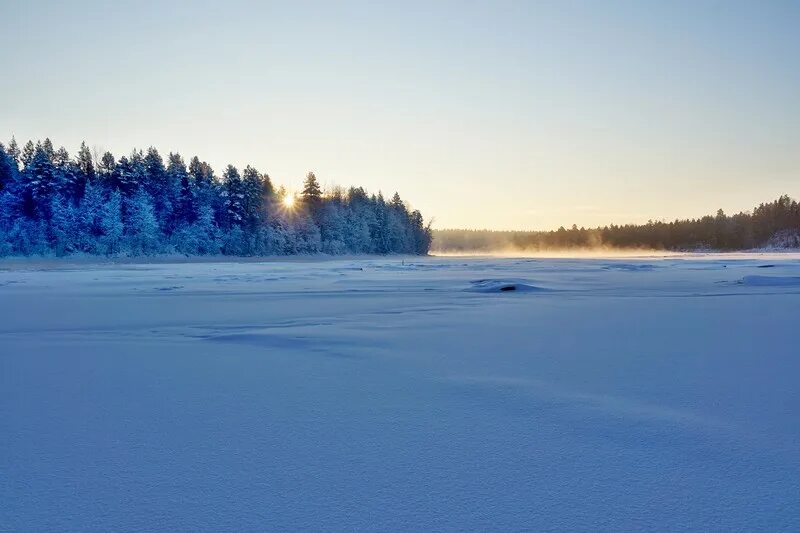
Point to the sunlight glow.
(288, 201)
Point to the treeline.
(140, 204)
(774, 224)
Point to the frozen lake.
(382, 394)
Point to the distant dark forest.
(140, 204)
(775, 224)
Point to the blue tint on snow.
(372, 395)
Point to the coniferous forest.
(141, 204)
(770, 225)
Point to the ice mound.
(771, 281)
(503, 285)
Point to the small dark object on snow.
(506, 288)
(765, 266)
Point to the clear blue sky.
(481, 114)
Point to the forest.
(140, 204)
(770, 225)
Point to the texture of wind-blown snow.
(390, 395)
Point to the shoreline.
(80, 261)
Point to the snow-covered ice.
(402, 394)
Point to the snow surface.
(402, 394)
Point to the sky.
(496, 114)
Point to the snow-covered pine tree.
(161, 188)
(111, 223)
(8, 169)
(47, 146)
(107, 166)
(14, 151)
(142, 234)
(27, 154)
(185, 211)
(63, 227)
(312, 195)
(85, 164)
(40, 181)
(234, 196)
(253, 201)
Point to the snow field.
(402, 394)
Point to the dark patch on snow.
(765, 266)
(503, 285)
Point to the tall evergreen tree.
(107, 166)
(8, 169)
(253, 201)
(141, 227)
(180, 180)
(312, 195)
(111, 223)
(49, 151)
(60, 158)
(84, 161)
(40, 181)
(124, 178)
(234, 196)
(63, 225)
(161, 188)
(90, 214)
(27, 154)
(14, 151)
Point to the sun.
(288, 201)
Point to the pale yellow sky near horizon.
(500, 115)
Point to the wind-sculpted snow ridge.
(397, 394)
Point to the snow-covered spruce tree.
(106, 167)
(233, 193)
(122, 177)
(85, 163)
(26, 156)
(380, 230)
(256, 191)
(111, 223)
(89, 219)
(204, 233)
(9, 212)
(47, 147)
(8, 169)
(29, 236)
(142, 233)
(162, 188)
(185, 212)
(333, 224)
(423, 235)
(63, 226)
(312, 196)
(360, 218)
(71, 180)
(14, 152)
(39, 182)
